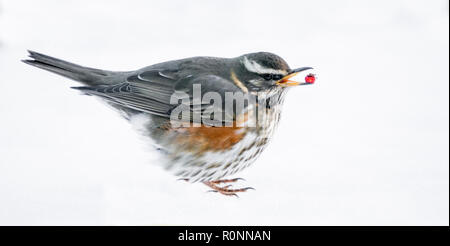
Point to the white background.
(366, 145)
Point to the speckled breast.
(209, 153)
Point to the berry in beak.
(310, 78)
(285, 81)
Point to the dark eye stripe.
(268, 76)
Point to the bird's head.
(263, 70)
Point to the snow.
(367, 144)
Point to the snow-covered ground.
(366, 145)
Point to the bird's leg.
(225, 190)
(226, 181)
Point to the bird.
(197, 139)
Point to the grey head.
(263, 70)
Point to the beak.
(285, 80)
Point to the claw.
(184, 179)
(230, 194)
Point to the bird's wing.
(151, 91)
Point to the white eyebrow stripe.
(253, 66)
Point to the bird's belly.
(206, 153)
(212, 162)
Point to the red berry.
(310, 79)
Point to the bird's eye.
(267, 76)
(277, 77)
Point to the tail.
(85, 75)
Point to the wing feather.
(150, 91)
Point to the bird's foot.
(225, 190)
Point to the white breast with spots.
(215, 165)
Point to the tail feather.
(85, 75)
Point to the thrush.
(210, 142)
